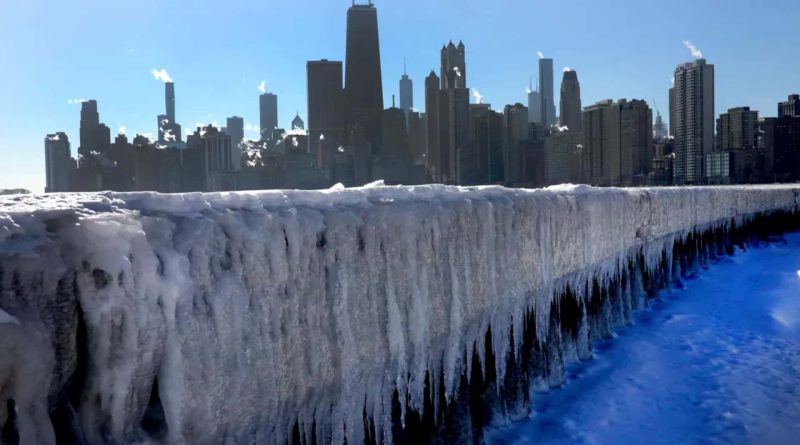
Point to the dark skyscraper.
(168, 128)
(268, 114)
(406, 92)
(548, 108)
(363, 81)
(325, 109)
(672, 119)
(453, 113)
(454, 66)
(235, 128)
(94, 136)
(571, 101)
(169, 96)
(58, 163)
(433, 127)
(90, 119)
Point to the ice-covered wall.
(247, 317)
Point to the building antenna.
(392, 100)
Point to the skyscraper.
(268, 114)
(635, 140)
(548, 107)
(325, 109)
(672, 120)
(534, 104)
(235, 128)
(659, 128)
(595, 161)
(454, 66)
(515, 126)
(453, 112)
(169, 97)
(406, 92)
(58, 163)
(618, 138)
(433, 126)
(168, 129)
(571, 101)
(94, 136)
(363, 81)
(694, 120)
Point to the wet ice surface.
(717, 362)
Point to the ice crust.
(256, 310)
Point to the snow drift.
(368, 314)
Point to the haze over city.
(219, 53)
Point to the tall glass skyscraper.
(363, 81)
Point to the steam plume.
(696, 53)
(262, 87)
(161, 74)
(477, 95)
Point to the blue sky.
(218, 51)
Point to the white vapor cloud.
(262, 87)
(696, 53)
(567, 69)
(161, 74)
(122, 130)
(477, 95)
(76, 101)
(457, 71)
(540, 54)
(528, 90)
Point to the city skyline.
(491, 73)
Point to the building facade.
(325, 110)
(570, 101)
(363, 81)
(694, 116)
(268, 115)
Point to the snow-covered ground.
(717, 362)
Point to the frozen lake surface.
(717, 362)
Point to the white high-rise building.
(694, 120)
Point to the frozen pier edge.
(395, 314)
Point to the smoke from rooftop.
(161, 75)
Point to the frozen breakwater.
(379, 314)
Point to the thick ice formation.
(233, 317)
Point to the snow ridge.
(263, 315)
